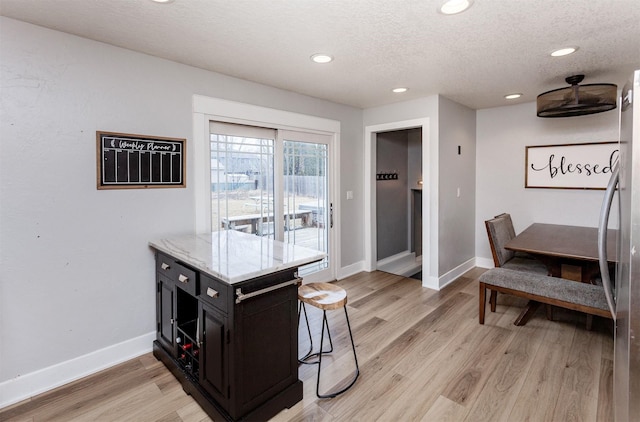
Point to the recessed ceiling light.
(451, 7)
(162, 1)
(399, 90)
(564, 51)
(321, 58)
(513, 96)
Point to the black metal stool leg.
(355, 358)
(301, 308)
(310, 353)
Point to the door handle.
(331, 215)
(602, 238)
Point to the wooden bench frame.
(567, 304)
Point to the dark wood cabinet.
(165, 311)
(232, 346)
(214, 375)
(265, 360)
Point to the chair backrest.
(500, 230)
(507, 216)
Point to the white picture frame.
(570, 166)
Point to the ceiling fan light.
(577, 100)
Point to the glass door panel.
(242, 181)
(306, 197)
(246, 195)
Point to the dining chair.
(500, 231)
(512, 234)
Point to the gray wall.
(452, 228)
(77, 272)
(414, 137)
(457, 172)
(502, 136)
(77, 275)
(392, 196)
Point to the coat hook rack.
(386, 176)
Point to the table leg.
(527, 313)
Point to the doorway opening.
(399, 202)
(420, 201)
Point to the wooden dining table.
(556, 246)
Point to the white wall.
(502, 135)
(77, 279)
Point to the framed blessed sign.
(139, 161)
(570, 166)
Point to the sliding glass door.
(273, 183)
(308, 210)
(242, 179)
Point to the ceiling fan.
(577, 100)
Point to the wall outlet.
(349, 194)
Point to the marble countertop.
(232, 256)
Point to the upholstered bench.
(582, 297)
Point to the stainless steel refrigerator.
(623, 293)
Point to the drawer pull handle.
(165, 266)
(212, 293)
(183, 278)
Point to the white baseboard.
(456, 272)
(405, 264)
(34, 383)
(484, 262)
(350, 270)
(430, 282)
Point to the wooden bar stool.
(327, 297)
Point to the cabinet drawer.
(214, 292)
(184, 277)
(165, 266)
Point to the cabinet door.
(266, 345)
(214, 360)
(165, 313)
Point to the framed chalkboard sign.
(570, 166)
(139, 161)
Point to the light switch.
(349, 194)
(458, 193)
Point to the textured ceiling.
(475, 58)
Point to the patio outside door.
(273, 183)
(308, 210)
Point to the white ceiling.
(475, 58)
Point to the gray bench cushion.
(555, 288)
(526, 264)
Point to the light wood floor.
(422, 354)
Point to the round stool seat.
(325, 296)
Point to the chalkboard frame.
(130, 161)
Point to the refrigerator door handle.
(602, 238)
